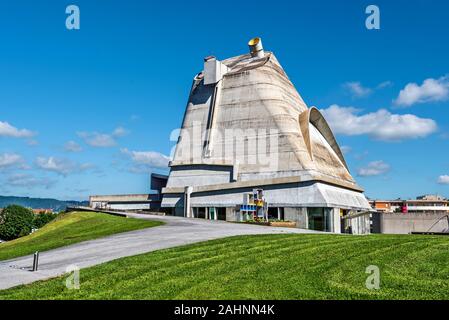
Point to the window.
(319, 219)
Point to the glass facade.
(319, 219)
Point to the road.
(176, 231)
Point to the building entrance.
(319, 219)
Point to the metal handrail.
(433, 225)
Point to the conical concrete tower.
(246, 127)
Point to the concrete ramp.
(176, 232)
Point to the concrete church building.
(246, 128)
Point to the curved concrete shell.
(245, 127)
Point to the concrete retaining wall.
(405, 223)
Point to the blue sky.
(90, 111)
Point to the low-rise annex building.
(132, 202)
(247, 130)
(425, 214)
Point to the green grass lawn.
(71, 228)
(267, 267)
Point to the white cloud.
(29, 181)
(374, 168)
(380, 125)
(345, 149)
(7, 130)
(98, 140)
(8, 160)
(384, 84)
(72, 146)
(429, 91)
(102, 140)
(443, 179)
(146, 160)
(362, 155)
(61, 166)
(357, 90)
(119, 132)
(32, 142)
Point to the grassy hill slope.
(71, 228)
(267, 267)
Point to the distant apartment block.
(425, 214)
(422, 204)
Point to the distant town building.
(422, 204)
(37, 210)
(431, 197)
(42, 211)
(425, 214)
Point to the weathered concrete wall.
(335, 220)
(231, 215)
(400, 223)
(299, 215)
(125, 202)
(122, 197)
(129, 206)
(199, 175)
(361, 224)
(283, 195)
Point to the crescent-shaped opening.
(313, 116)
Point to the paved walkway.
(176, 232)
